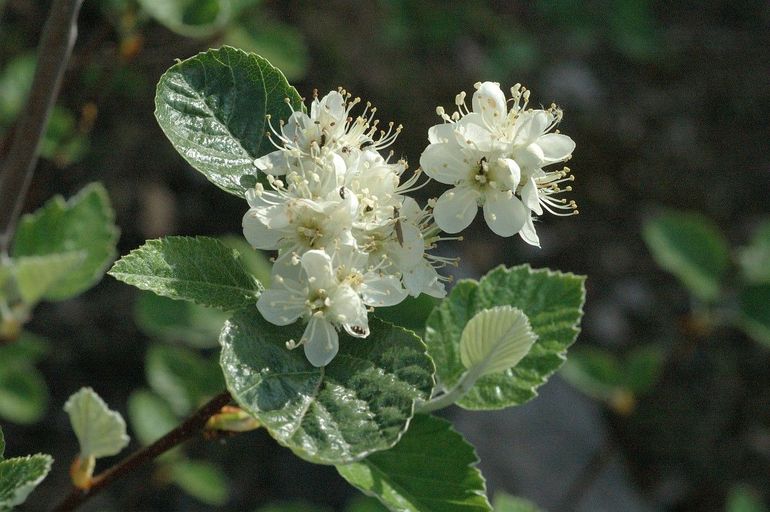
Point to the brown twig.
(193, 426)
(56, 43)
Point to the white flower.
(323, 300)
(494, 156)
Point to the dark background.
(668, 103)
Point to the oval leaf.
(202, 270)
(23, 392)
(496, 339)
(360, 403)
(85, 223)
(101, 432)
(432, 469)
(553, 303)
(692, 248)
(213, 108)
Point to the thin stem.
(193, 426)
(56, 43)
(459, 390)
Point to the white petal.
(456, 208)
(505, 215)
(258, 234)
(275, 163)
(321, 341)
(489, 101)
(424, 279)
(530, 198)
(347, 308)
(530, 157)
(381, 290)
(318, 267)
(280, 307)
(445, 163)
(528, 233)
(556, 147)
(331, 108)
(443, 132)
(531, 125)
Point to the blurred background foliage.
(668, 104)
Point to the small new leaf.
(101, 432)
(202, 270)
(19, 476)
(496, 339)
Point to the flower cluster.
(347, 235)
(494, 157)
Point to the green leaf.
(754, 316)
(37, 275)
(190, 18)
(212, 107)
(182, 377)
(23, 393)
(755, 258)
(151, 416)
(495, 339)
(28, 349)
(2, 444)
(255, 261)
(432, 469)
(743, 498)
(360, 403)
(101, 431)
(507, 503)
(553, 303)
(594, 371)
(200, 269)
(691, 247)
(19, 477)
(201, 480)
(174, 320)
(365, 504)
(83, 223)
(643, 368)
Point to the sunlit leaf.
(101, 431)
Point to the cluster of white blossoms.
(347, 235)
(494, 157)
(348, 238)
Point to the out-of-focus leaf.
(182, 377)
(63, 143)
(19, 476)
(213, 109)
(37, 275)
(190, 18)
(151, 417)
(23, 393)
(29, 348)
(432, 469)
(255, 261)
(593, 371)
(755, 258)
(84, 223)
(202, 270)
(507, 503)
(643, 367)
(691, 247)
(101, 431)
(360, 403)
(15, 83)
(176, 320)
(633, 28)
(744, 499)
(201, 480)
(754, 314)
(552, 301)
(282, 45)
